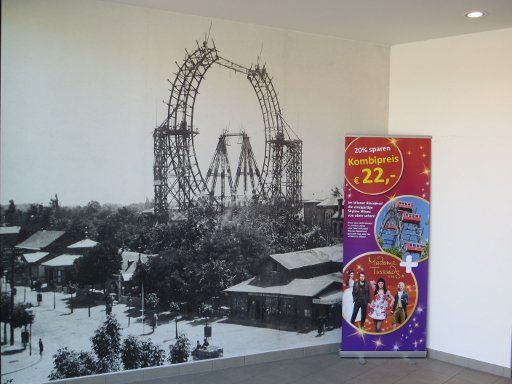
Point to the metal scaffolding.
(178, 180)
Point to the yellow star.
(409, 153)
(359, 332)
(426, 171)
(393, 141)
(423, 155)
(378, 343)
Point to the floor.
(327, 369)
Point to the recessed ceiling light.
(475, 14)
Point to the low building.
(312, 215)
(9, 237)
(130, 262)
(332, 217)
(81, 247)
(41, 247)
(33, 261)
(46, 241)
(328, 215)
(293, 291)
(59, 270)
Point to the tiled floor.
(330, 369)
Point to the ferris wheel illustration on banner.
(403, 227)
(178, 179)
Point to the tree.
(335, 191)
(180, 351)
(136, 353)
(12, 215)
(5, 312)
(106, 344)
(152, 301)
(98, 264)
(68, 363)
(20, 317)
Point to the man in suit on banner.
(399, 309)
(361, 296)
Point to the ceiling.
(385, 22)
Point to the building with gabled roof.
(81, 247)
(327, 214)
(12, 230)
(83, 244)
(292, 291)
(130, 262)
(45, 241)
(59, 269)
(33, 261)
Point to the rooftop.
(85, 243)
(64, 260)
(129, 263)
(300, 259)
(40, 240)
(34, 257)
(331, 201)
(9, 230)
(296, 287)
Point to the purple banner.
(386, 244)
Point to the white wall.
(83, 84)
(459, 90)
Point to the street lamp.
(70, 297)
(142, 273)
(89, 299)
(30, 313)
(129, 302)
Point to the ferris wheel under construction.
(178, 180)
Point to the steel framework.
(247, 171)
(178, 179)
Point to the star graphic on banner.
(425, 172)
(391, 198)
(359, 332)
(378, 343)
(409, 152)
(393, 141)
(396, 347)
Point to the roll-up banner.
(386, 246)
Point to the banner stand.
(386, 246)
(364, 354)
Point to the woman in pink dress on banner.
(379, 305)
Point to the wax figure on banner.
(379, 304)
(399, 308)
(348, 300)
(361, 299)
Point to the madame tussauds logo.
(380, 266)
(373, 160)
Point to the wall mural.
(226, 260)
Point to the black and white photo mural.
(136, 233)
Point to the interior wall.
(83, 84)
(458, 90)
